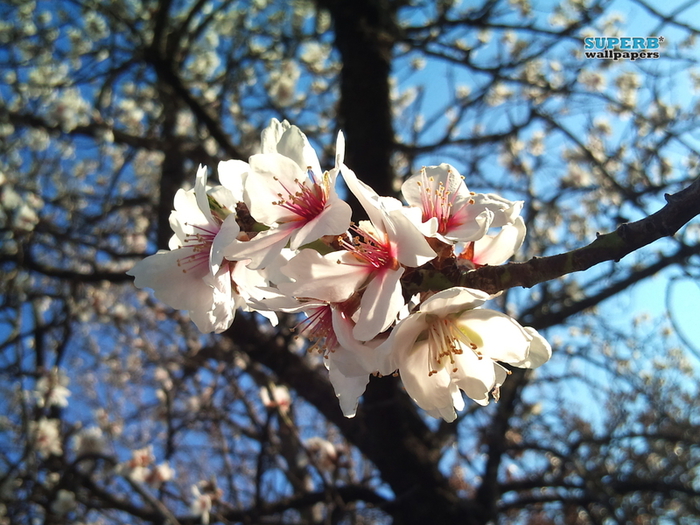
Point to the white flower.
(326, 454)
(137, 468)
(280, 397)
(451, 211)
(89, 441)
(159, 474)
(380, 250)
(51, 389)
(451, 344)
(203, 500)
(287, 191)
(46, 436)
(194, 275)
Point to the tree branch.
(680, 209)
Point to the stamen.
(438, 201)
(318, 329)
(368, 249)
(308, 201)
(200, 241)
(447, 340)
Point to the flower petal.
(232, 175)
(200, 193)
(323, 277)
(502, 337)
(380, 304)
(540, 350)
(333, 220)
(431, 392)
(273, 177)
(262, 249)
(348, 389)
(294, 144)
(411, 247)
(367, 196)
(499, 248)
(224, 240)
(454, 300)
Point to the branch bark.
(680, 209)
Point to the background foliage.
(106, 109)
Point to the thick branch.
(681, 207)
(365, 35)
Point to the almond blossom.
(46, 437)
(452, 212)
(194, 275)
(380, 250)
(451, 344)
(276, 237)
(287, 192)
(276, 396)
(89, 441)
(52, 389)
(138, 467)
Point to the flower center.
(370, 250)
(308, 200)
(318, 329)
(199, 242)
(439, 202)
(446, 340)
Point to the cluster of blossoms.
(275, 236)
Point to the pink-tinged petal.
(503, 339)
(414, 188)
(498, 249)
(472, 229)
(333, 220)
(262, 249)
(380, 304)
(200, 193)
(441, 194)
(332, 278)
(294, 145)
(454, 300)
(540, 350)
(348, 389)
(273, 178)
(433, 393)
(411, 247)
(367, 196)
(223, 242)
(428, 228)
